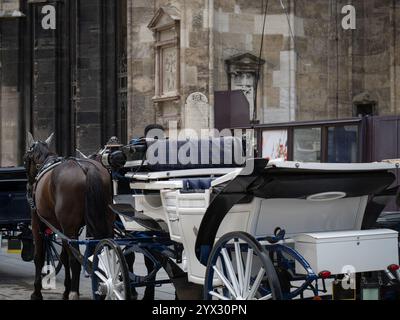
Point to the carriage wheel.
(240, 269)
(110, 276)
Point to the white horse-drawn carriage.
(266, 230)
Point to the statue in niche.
(245, 82)
(242, 71)
(169, 71)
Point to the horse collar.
(48, 165)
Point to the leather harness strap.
(48, 165)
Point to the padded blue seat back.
(164, 154)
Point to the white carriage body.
(310, 218)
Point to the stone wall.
(313, 75)
(9, 90)
(90, 73)
(194, 62)
(238, 29)
(140, 67)
(9, 5)
(341, 64)
(381, 52)
(64, 80)
(44, 80)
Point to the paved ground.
(16, 280)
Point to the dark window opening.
(363, 110)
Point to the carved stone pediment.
(165, 17)
(245, 62)
(365, 98)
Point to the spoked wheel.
(240, 269)
(110, 276)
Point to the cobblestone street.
(16, 281)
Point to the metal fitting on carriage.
(115, 160)
(395, 269)
(324, 274)
(112, 156)
(389, 275)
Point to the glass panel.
(275, 144)
(343, 144)
(307, 145)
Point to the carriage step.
(128, 211)
(123, 209)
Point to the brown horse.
(73, 194)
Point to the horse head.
(36, 154)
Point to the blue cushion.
(197, 183)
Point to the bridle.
(29, 161)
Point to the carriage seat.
(198, 153)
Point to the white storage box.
(356, 251)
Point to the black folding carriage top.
(282, 183)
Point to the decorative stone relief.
(169, 70)
(166, 28)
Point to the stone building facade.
(313, 68)
(9, 94)
(112, 67)
(70, 79)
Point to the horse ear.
(49, 139)
(29, 140)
